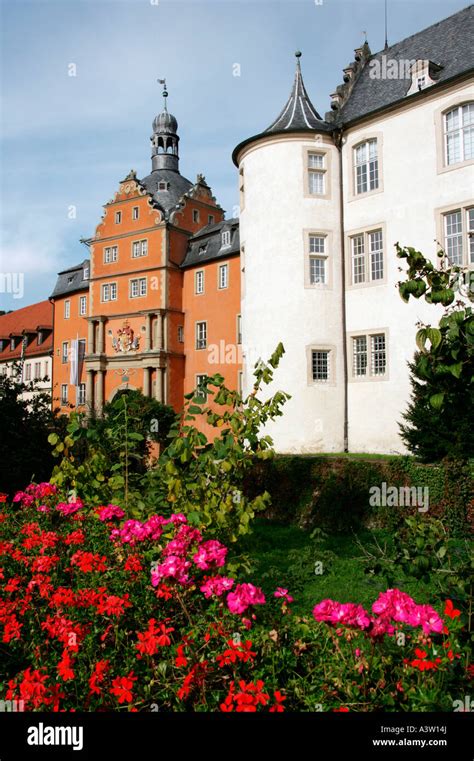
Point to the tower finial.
(165, 92)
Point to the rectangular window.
(139, 248)
(135, 212)
(316, 171)
(320, 365)
(366, 166)
(378, 354)
(376, 255)
(81, 394)
(195, 216)
(64, 352)
(64, 394)
(317, 264)
(110, 254)
(138, 287)
(180, 334)
(201, 395)
(223, 275)
(240, 382)
(210, 219)
(225, 238)
(67, 309)
(201, 335)
(118, 217)
(28, 372)
(239, 328)
(369, 355)
(470, 234)
(82, 305)
(459, 133)
(199, 282)
(453, 237)
(359, 356)
(358, 259)
(37, 370)
(109, 292)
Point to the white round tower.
(291, 270)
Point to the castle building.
(176, 292)
(26, 346)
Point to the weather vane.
(165, 92)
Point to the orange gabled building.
(71, 304)
(157, 238)
(26, 345)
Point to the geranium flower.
(243, 597)
(64, 667)
(216, 585)
(450, 610)
(109, 512)
(97, 677)
(281, 592)
(122, 687)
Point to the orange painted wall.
(67, 330)
(219, 308)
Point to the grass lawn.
(284, 555)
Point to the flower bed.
(98, 612)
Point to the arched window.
(459, 133)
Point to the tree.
(439, 417)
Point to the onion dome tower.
(165, 139)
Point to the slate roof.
(298, 112)
(448, 43)
(209, 239)
(29, 320)
(71, 280)
(166, 199)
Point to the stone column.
(159, 384)
(101, 341)
(148, 318)
(99, 392)
(90, 337)
(146, 381)
(159, 332)
(90, 390)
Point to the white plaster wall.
(412, 192)
(276, 306)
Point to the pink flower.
(173, 567)
(346, 614)
(68, 508)
(217, 585)
(109, 512)
(281, 592)
(210, 553)
(243, 596)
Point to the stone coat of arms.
(125, 340)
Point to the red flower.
(450, 610)
(279, 698)
(342, 709)
(164, 592)
(89, 561)
(154, 637)
(122, 687)
(133, 564)
(64, 667)
(180, 660)
(111, 605)
(236, 652)
(98, 676)
(75, 537)
(3, 497)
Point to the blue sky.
(70, 140)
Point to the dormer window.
(422, 73)
(225, 238)
(12, 344)
(202, 249)
(163, 185)
(85, 274)
(40, 337)
(70, 279)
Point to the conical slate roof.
(299, 112)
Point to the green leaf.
(437, 400)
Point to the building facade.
(26, 346)
(176, 292)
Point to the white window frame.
(317, 252)
(67, 309)
(64, 352)
(81, 394)
(139, 248)
(201, 335)
(460, 132)
(64, 394)
(223, 276)
(363, 361)
(327, 354)
(316, 168)
(225, 239)
(110, 254)
(27, 371)
(198, 379)
(135, 212)
(199, 282)
(367, 259)
(239, 329)
(369, 164)
(138, 284)
(108, 292)
(82, 306)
